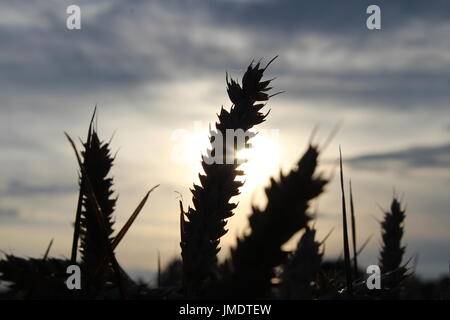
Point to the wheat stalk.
(104, 240)
(248, 273)
(97, 163)
(206, 220)
(77, 224)
(392, 251)
(300, 272)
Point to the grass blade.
(77, 225)
(48, 250)
(352, 212)
(124, 230)
(348, 272)
(159, 269)
(363, 246)
(131, 219)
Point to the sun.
(263, 160)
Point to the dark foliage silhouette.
(206, 220)
(300, 273)
(392, 251)
(97, 162)
(249, 270)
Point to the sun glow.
(263, 160)
(263, 157)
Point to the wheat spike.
(206, 220)
(97, 163)
(248, 273)
(300, 272)
(392, 251)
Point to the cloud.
(129, 44)
(289, 16)
(8, 213)
(437, 156)
(397, 90)
(17, 188)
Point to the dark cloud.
(416, 157)
(16, 188)
(289, 16)
(68, 61)
(136, 42)
(400, 90)
(8, 213)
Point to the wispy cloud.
(8, 213)
(17, 188)
(437, 156)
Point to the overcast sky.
(155, 67)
